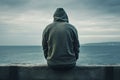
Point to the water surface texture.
(89, 54)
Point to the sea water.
(89, 55)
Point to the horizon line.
(41, 45)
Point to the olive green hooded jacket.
(60, 40)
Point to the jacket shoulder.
(71, 26)
(47, 27)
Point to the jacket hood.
(60, 15)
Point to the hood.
(60, 15)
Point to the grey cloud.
(31, 4)
(13, 6)
(111, 6)
(12, 3)
(106, 6)
(105, 14)
(95, 6)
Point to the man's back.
(60, 41)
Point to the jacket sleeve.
(44, 44)
(76, 44)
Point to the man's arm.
(44, 44)
(76, 44)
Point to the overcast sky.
(23, 21)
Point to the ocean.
(89, 55)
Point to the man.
(60, 42)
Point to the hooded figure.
(60, 42)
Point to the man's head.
(60, 15)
